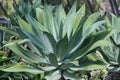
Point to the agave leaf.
(84, 51)
(25, 25)
(53, 60)
(91, 45)
(115, 27)
(60, 14)
(25, 7)
(98, 36)
(40, 26)
(34, 25)
(108, 55)
(54, 76)
(67, 27)
(40, 14)
(74, 41)
(113, 68)
(71, 76)
(86, 30)
(49, 22)
(104, 55)
(73, 9)
(108, 23)
(66, 66)
(33, 48)
(51, 39)
(24, 53)
(36, 40)
(93, 27)
(60, 17)
(105, 34)
(100, 43)
(89, 22)
(62, 50)
(118, 56)
(7, 30)
(70, 19)
(89, 66)
(116, 37)
(23, 68)
(41, 40)
(5, 59)
(79, 16)
(37, 3)
(21, 34)
(48, 68)
(115, 22)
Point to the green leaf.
(104, 34)
(33, 24)
(48, 68)
(23, 68)
(49, 22)
(41, 40)
(71, 76)
(61, 48)
(79, 16)
(93, 27)
(52, 59)
(60, 17)
(89, 22)
(51, 39)
(100, 43)
(24, 53)
(40, 26)
(66, 66)
(108, 23)
(69, 23)
(25, 25)
(73, 9)
(54, 76)
(94, 42)
(116, 37)
(118, 56)
(115, 22)
(113, 68)
(40, 14)
(105, 56)
(5, 59)
(78, 39)
(7, 30)
(67, 27)
(92, 47)
(89, 66)
(37, 3)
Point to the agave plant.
(54, 41)
(111, 53)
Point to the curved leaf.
(53, 60)
(23, 68)
(61, 48)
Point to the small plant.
(111, 53)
